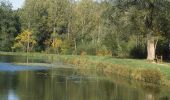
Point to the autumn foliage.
(24, 41)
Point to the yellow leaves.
(25, 36)
(17, 45)
(56, 43)
(24, 39)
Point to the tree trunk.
(151, 45)
(68, 35)
(28, 44)
(75, 46)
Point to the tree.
(9, 26)
(56, 44)
(117, 28)
(45, 17)
(90, 25)
(86, 25)
(147, 15)
(25, 40)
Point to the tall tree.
(46, 18)
(9, 26)
(147, 15)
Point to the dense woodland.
(121, 28)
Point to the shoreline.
(134, 69)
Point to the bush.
(102, 51)
(151, 76)
(100, 66)
(146, 75)
(89, 48)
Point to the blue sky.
(17, 3)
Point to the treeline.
(121, 28)
(10, 26)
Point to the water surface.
(41, 83)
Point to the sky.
(16, 3)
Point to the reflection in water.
(12, 95)
(66, 85)
(71, 84)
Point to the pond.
(63, 82)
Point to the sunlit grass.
(33, 64)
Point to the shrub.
(100, 66)
(136, 74)
(151, 76)
(82, 53)
(102, 51)
(147, 75)
(89, 48)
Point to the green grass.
(33, 64)
(133, 63)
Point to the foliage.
(135, 18)
(24, 40)
(103, 51)
(146, 73)
(151, 76)
(56, 44)
(105, 27)
(9, 25)
(67, 47)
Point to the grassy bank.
(130, 68)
